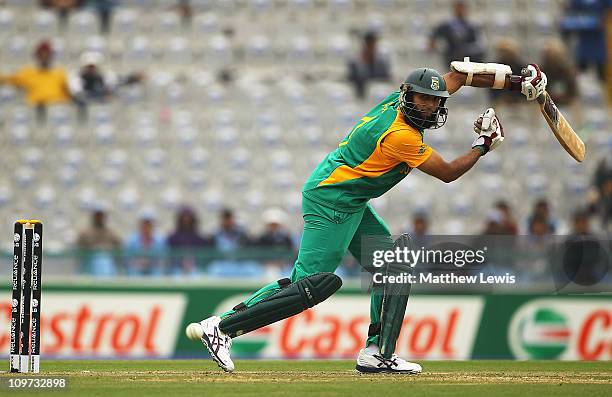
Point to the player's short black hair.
(227, 213)
(370, 36)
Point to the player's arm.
(447, 172)
(477, 74)
(4, 77)
(490, 135)
(455, 80)
(14, 79)
(530, 81)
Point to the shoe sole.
(370, 370)
(216, 359)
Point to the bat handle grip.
(516, 80)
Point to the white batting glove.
(533, 84)
(490, 131)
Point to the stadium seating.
(185, 137)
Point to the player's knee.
(316, 263)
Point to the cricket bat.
(564, 132)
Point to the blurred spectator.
(601, 201)
(562, 77)
(185, 242)
(89, 82)
(420, 229)
(420, 225)
(585, 19)
(183, 8)
(500, 239)
(43, 84)
(275, 235)
(230, 236)
(104, 8)
(539, 226)
(603, 173)
(370, 65)
(93, 83)
(508, 224)
(493, 223)
(541, 213)
(532, 257)
(229, 240)
(507, 51)
(277, 241)
(461, 38)
(62, 8)
(538, 243)
(98, 245)
(581, 224)
(585, 261)
(499, 257)
(145, 249)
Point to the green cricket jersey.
(376, 155)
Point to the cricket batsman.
(380, 151)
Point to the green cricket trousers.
(328, 234)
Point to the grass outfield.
(178, 378)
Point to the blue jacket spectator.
(230, 235)
(228, 240)
(585, 19)
(145, 249)
(98, 246)
(541, 212)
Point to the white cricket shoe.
(376, 363)
(217, 343)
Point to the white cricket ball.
(194, 331)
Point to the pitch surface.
(326, 378)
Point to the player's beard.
(417, 119)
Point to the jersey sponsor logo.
(435, 83)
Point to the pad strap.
(287, 301)
(374, 329)
(284, 282)
(500, 79)
(470, 71)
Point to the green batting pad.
(293, 299)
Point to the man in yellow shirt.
(43, 84)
